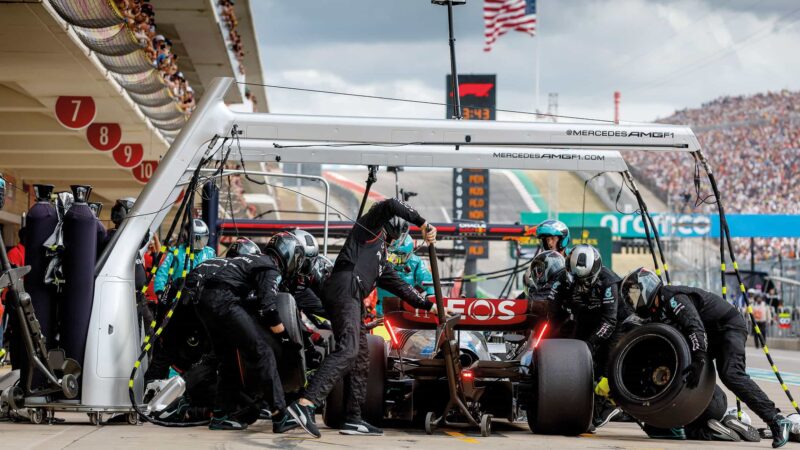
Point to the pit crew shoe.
(605, 416)
(226, 423)
(721, 432)
(175, 412)
(780, 428)
(304, 416)
(358, 427)
(284, 424)
(677, 433)
(747, 432)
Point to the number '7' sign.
(75, 112)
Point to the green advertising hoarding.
(631, 225)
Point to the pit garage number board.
(478, 95)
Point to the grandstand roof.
(42, 58)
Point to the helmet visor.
(200, 241)
(634, 296)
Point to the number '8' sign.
(128, 155)
(104, 136)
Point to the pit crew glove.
(287, 342)
(694, 371)
(428, 233)
(268, 317)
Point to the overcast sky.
(661, 55)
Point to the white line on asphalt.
(446, 216)
(526, 197)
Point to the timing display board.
(478, 95)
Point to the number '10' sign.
(144, 171)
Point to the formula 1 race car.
(411, 378)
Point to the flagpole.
(537, 72)
(538, 4)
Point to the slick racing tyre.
(334, 412)
(373, 405)
(563, 394)
(291, 363)
(372, 409)
(646, 377)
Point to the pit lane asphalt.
(78, 433)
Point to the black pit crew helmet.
(640, 289)
(396, 229)
(310, 247)
(243, 246)
(320, 269)
(289, 251)
(122, 207)
(543, 269)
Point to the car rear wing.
(483, 314)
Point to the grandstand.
(752, 142)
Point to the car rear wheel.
(373, 406)
(563, 390)
(372, 410)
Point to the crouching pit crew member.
(593, 299)
(714, 330)
(361, 265)
(220, 288)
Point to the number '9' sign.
(128, 155)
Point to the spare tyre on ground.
(646, 377)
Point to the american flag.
(499, 16)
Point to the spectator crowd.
(140, 18)
(231, 23)
(753, 146)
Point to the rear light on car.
(541, 334)
(392, 335)
(467, 375)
